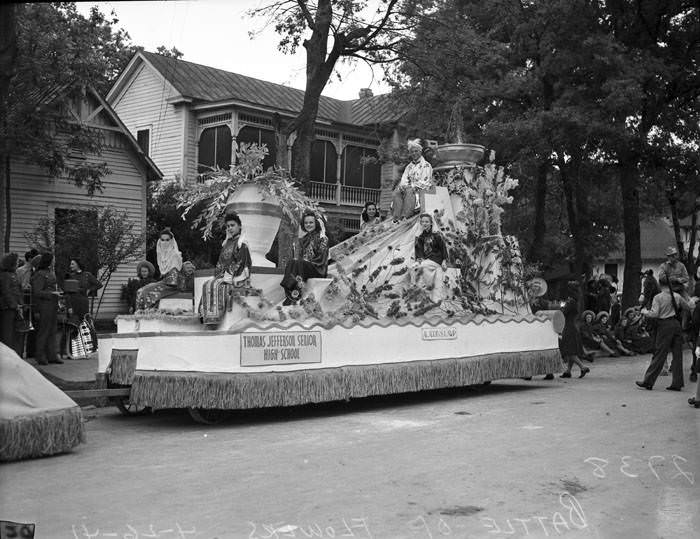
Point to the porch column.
(339, 172)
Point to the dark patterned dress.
(310, 261)
(233, 262)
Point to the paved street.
(575, 458)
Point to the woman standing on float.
(310, 257)
(417, 176)
(232, 269)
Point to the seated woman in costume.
(145, 272)
(431, 259)
(370, 216)
(592, 341)
(169, 260)
(602, 329)
(310, 259)
(417, 176)
(232, 270)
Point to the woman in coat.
(45, 296)
(310, 257)
(10, 302)
(570, 341)
(88, 285)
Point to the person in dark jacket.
(10, 302)
(88, 285)
(430, 252)
(650, 287)
(570, 340)
(45, 296)
(310, 258)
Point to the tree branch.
(307, 14)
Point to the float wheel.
(208, 416)
(128, 408)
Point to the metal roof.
(655, 237)
(209, 84)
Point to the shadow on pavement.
(168, 418)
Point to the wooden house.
(34, 194)
(189, 116)
(655, 235)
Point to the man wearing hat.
(674, 270)
(666, 308)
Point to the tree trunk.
(319, 66)
(576, 209)
(8, 55)
(540, 226)
(630, 220)
(692, 265)
(6, 210)
(673, 205)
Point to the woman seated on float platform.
(431, 259)
(370, 216)
(232, 270)
(310, 257)
(173, 275)
(417, 176)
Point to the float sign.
(283, 348)
(439, 334)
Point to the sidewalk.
(72, 374)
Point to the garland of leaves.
(218, 185)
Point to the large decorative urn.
(457, 154)
(260, 218)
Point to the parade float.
(366, 329)
(37, 419)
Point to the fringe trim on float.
(259, 390)
(184, 318)
(41, 435)
(122, 370)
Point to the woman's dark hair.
(232, 216)
(77, 261)
(369, 203)
(426, 215)
(45, 261)
(311, 213)
(167, 232)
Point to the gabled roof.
(45, 97)
(208, 84)
(655, 237)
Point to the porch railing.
(338, 194)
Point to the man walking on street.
(667, 308)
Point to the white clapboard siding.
(34, 196)
(144, 105)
